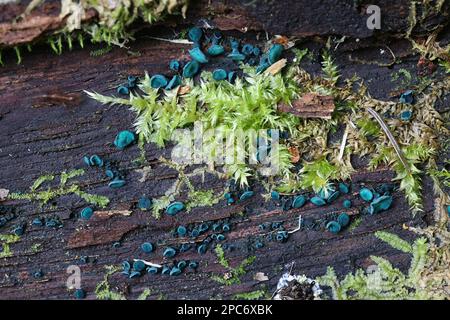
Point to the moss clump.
(388, 282)
(51, 193)
(5, 241)
(103, 290)
(233, 275)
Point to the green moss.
(145, 294)
(103, 290)
(5, 241)
(51, 193)
(385, 281)
(253, 295)
(233, 275)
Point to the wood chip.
(260, 276)
(310, 105)
(109, 213)
(3, 194)
(183, 90)
(276, 67)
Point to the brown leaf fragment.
(295, 154)
(310, 105)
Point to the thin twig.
(343, 144)
(391, 138)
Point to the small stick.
(344, 142)
(391, 138)
(151, 264)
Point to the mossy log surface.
(41, 133)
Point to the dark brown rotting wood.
(26, 131)
(310, 105)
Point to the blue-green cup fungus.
(247, 49)
(95, 160)
(235, 55)
(135, 274)
(38, 274)
(147, 247)
(87, 160)
(256, 51)
(215, 50)
(343, 219)
(193, 265)
(174, 82)
(86, 213)
(169, 252)
(380, 204)
(124, 139)
(139, 266)
(343, 188)
(275, 53)
(203, 227)
(174, 208)
(123, 90)
(406, 115)
(191, 69)
(37, 222)
(216, 227)
(182, 264)
(259, 245)
(202, 249)
(117, 183)
(318, 201)
(333, 227)
(109, 173)
(299, 201)
(275, 195)
(407, 97)
(158, 81)
(174, 65)
(19, 230)
(144, 203)
(347, 204)
(165, 270)
(366, 194)
(195, 233)
(126, 267)
(80, 294)
(246, 195)
(282, 236)
(181, 230)
(175, 271)
(220, 237)
(197, 55)
(219, 74)
(226, 227)
(185, 247)
(232, 76)
(152, 270)
(448, 210)
(131, 81)
(333, 196)
(195, 34)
